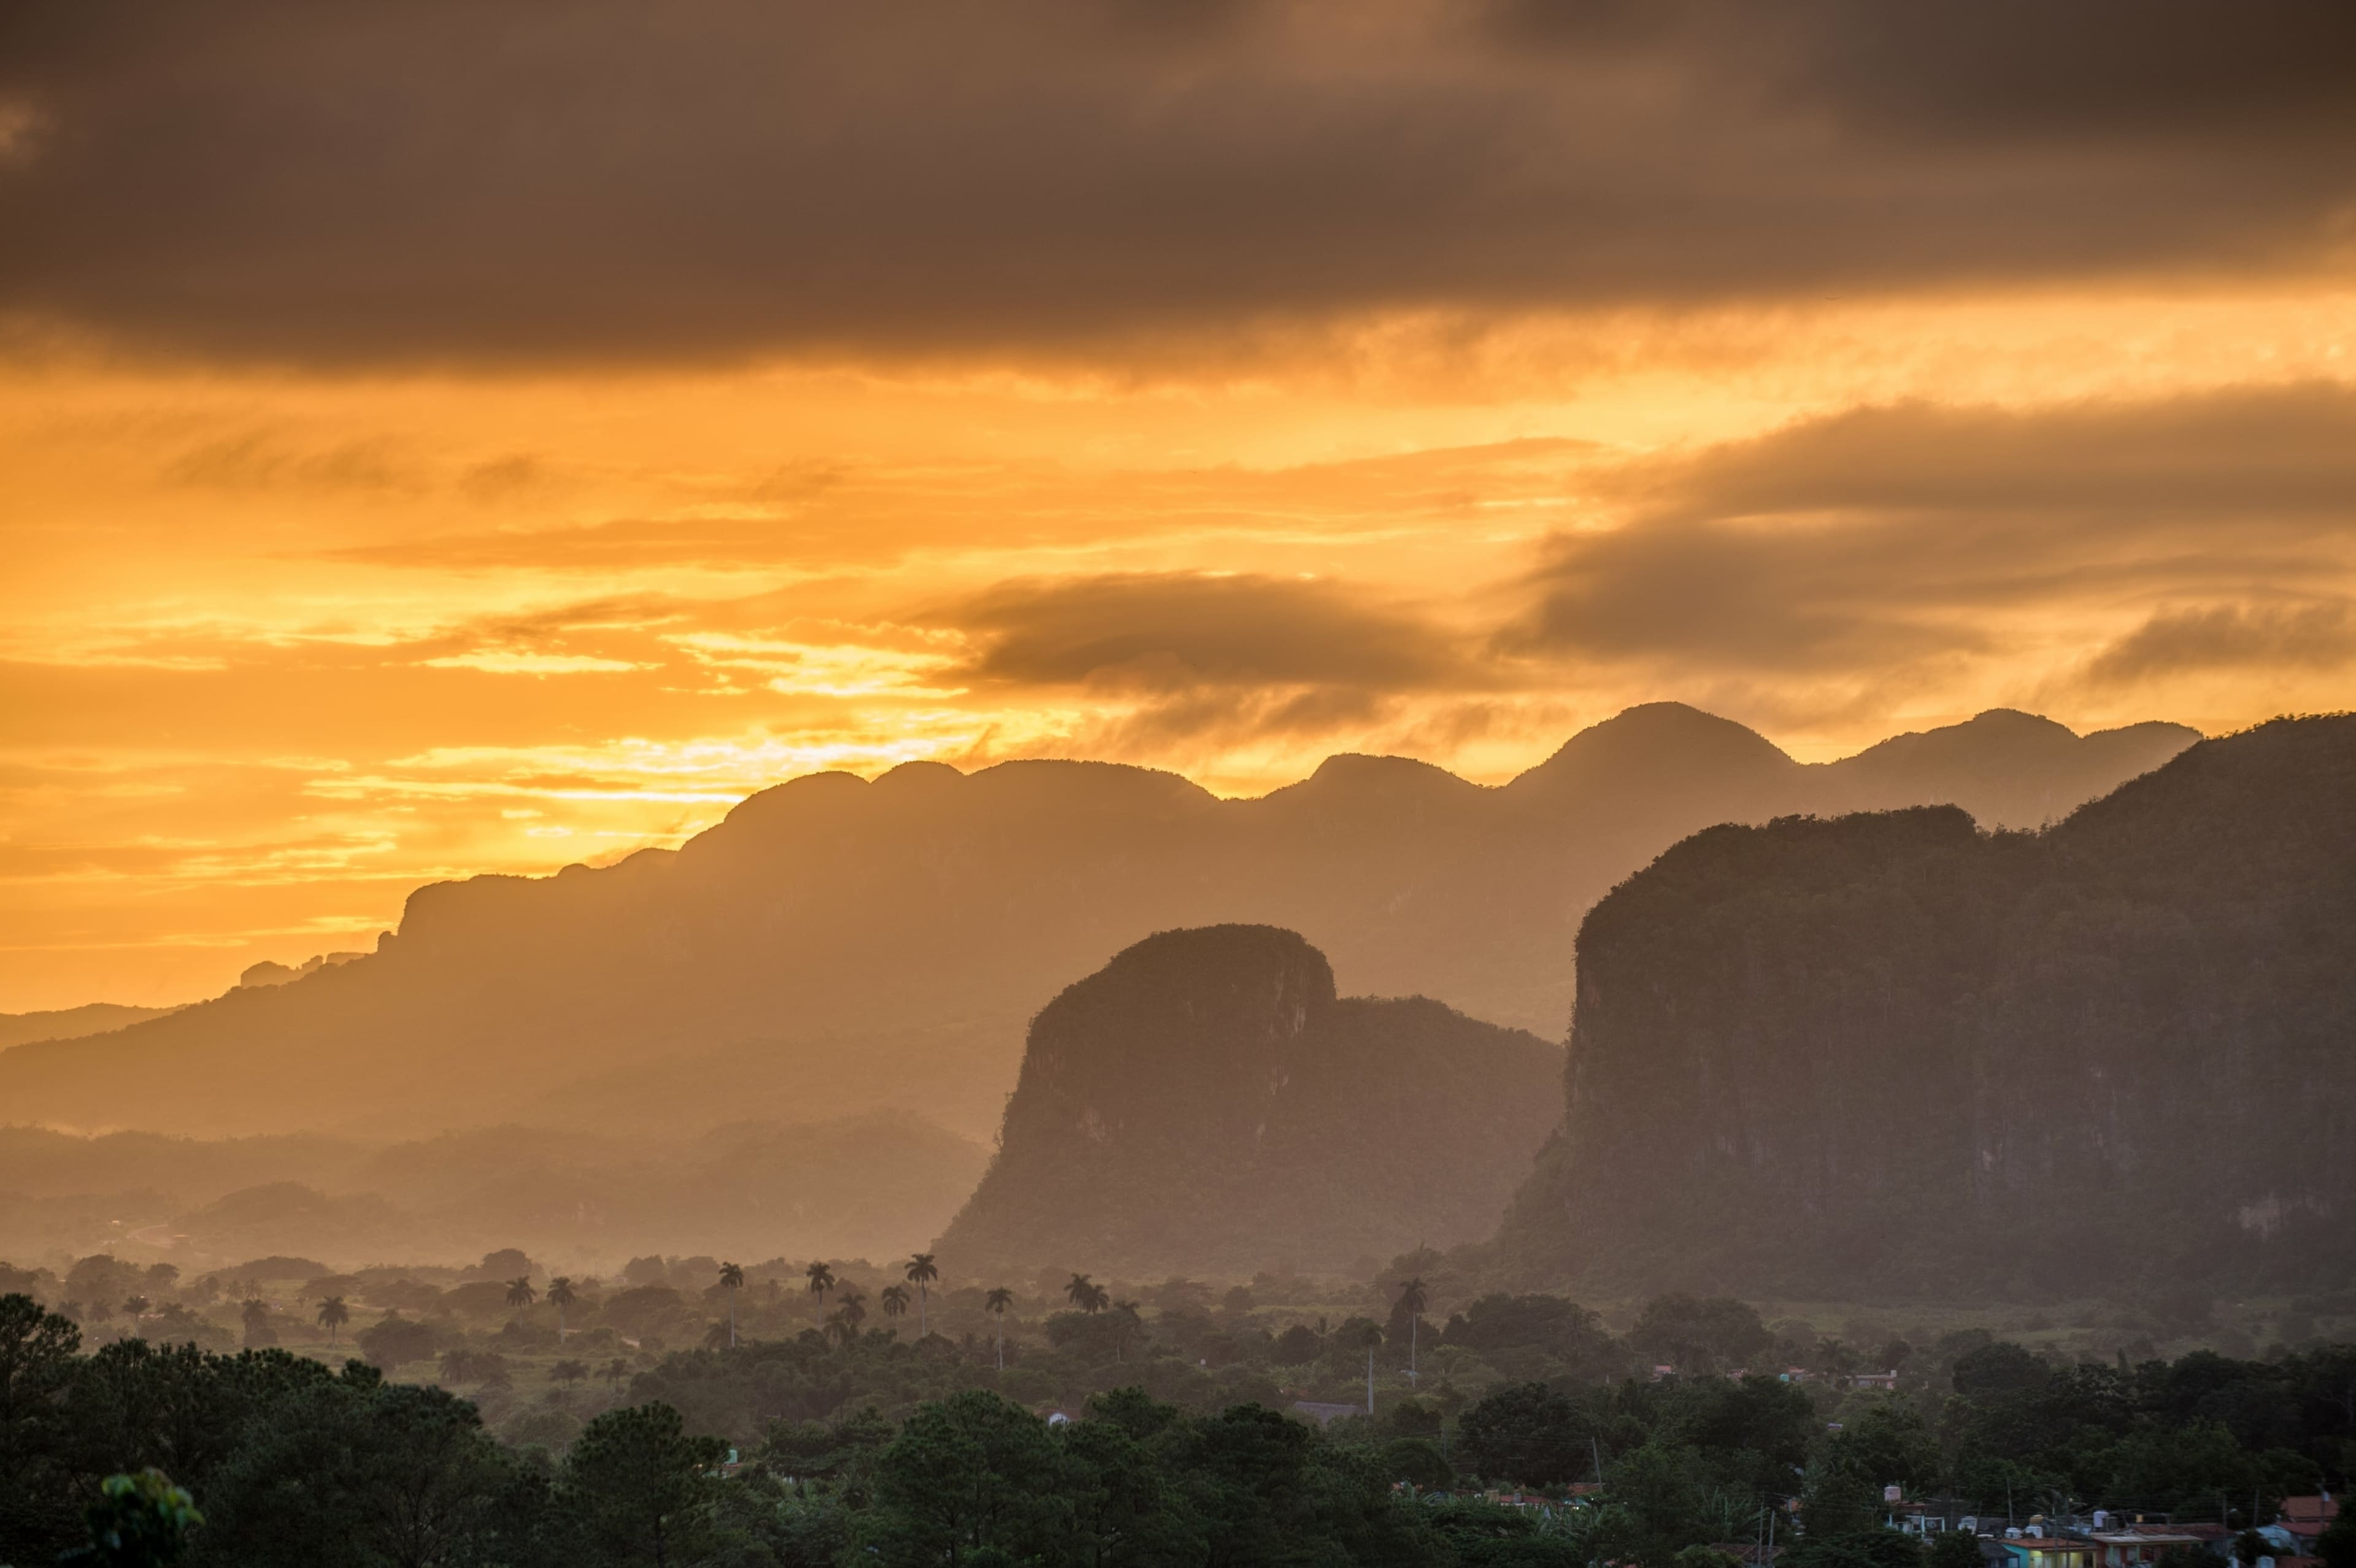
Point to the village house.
(2308, 1518)
(2023, 1549)
(2131, 1546)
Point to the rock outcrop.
(1205, 1104)
(1896, 1054)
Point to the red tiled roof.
(2308, 1516)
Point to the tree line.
(262, 1459)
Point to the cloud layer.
(1883, 537)
(445, 181)
(447, 437)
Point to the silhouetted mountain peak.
(2009, 769)
(1352, 782)
(1666, 742)
(1062, 785)
(931, 779)
(1998, 736)
(2014, 718)
(1363, 770)
(1205, 1102)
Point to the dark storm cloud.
(718, 176)
(1888, 534)
(1999, 69)
(1178, 632)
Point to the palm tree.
(850, 1311)
(255, 1316)
(1088, 1295)
(1125, 1322)
(1373, 1337)
(996, 1303)
(921, 1273)
(1412, 1302)
(615, 1371)
(896, 1300)
(457, 1365)
(732, 1280)
(333, 1316)
(520, 1294)
(561, 1296)
(821, 1280)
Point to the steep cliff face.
(1893, 1053)
(1206, 1103)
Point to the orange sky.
(308, 601)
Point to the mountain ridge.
(846, 945)
(73, 1023)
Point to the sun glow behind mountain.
(383, 533)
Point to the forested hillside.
(1206, 1103)
(1895, 1055)
(836, 946)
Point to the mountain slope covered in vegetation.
(1206, 1103)
(1894, 1053)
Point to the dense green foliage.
(292, 1463)
(1206, 1103)
(1893, 1055)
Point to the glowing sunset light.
(402, 497)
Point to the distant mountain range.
(836, 946)
(1205, 1104)
(872, 1185)
(72, 1023)
(1885, 1055)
